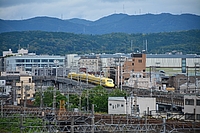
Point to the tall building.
(135, 64)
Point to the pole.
(41, 95)
(21, 119)
(100, 78)
(87, 101)
(135, 102)
(92, 118)
(121, 78)
(164, 125)
(195, 77)
(187, 81)
(118, 76)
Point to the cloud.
(92, 9)
(8, 3)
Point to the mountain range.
(123, 23)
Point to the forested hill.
(123, 23)
(60, 43)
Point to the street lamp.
(54, 92)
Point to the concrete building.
(19, 52)
(29, 61)
(25, 88)
(138, 80)
(131, 106)
(177, 63)
(91, 62)
(192, 107)
(71, 60)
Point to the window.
(29, 80)
(60, 60)
(198, 102)
(36, 60)
(20, 60)
(44, 60)
(139, 61)
(189, 101)
(132, 64)
(122, 105)
(110, 104)
(28, 65)
(137, 108)
(198, 117)
(51, 60)
(189, 116)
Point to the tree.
(99, 97)
(47, 97)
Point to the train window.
(198, 116)
(189, 101)
(198, 102)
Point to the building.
(192, 107)
(134, 106)
(177, 62)
(92, 63)
(25, 89)
(19, 52)
(138, 80)
(29, 61)
(71, 60)
(135, 64)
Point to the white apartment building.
(91, 62)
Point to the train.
(106, 82)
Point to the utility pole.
(187, 81)
(41, 95)
(135, 103)
(196, 77)
(87, 101)
(121, 77)
(92, 119)
(21, 120)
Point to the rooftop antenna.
(123, 9)
(61, 16)
(19, 47)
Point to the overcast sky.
(92, 9)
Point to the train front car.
(109, 83)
